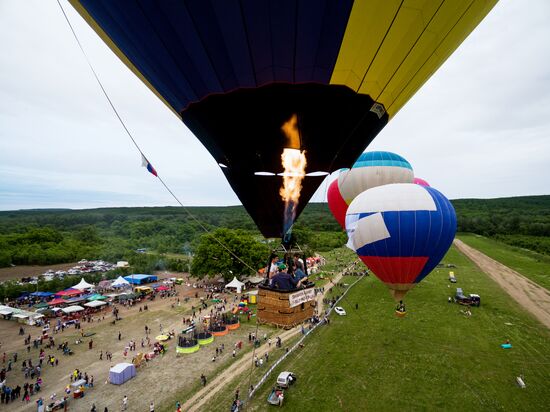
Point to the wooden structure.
(274, 308)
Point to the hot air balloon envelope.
(235, 71)
(373, 169)
(420, 182)
(402, 231)
(337, 204)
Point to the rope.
(193, 217)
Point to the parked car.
(285, 379)
(340, 310)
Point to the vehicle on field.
(340, 310)
(285, 379)
(469, 300)
(276, 396)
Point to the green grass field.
(436, 358)
(530, 264)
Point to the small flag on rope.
(149, 166)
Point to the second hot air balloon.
(402, 231)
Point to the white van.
(285, 379)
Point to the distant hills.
(528, 215)
(51, 236)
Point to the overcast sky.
(480, 127)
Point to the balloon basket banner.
(274, 308)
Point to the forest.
(42, 237)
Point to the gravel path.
(531, 296)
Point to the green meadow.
(436, 358)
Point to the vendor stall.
(72, 309)
(95, 304)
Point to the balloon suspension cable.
(193, 217)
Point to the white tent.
(95, 304)
(72, 309)
(236, 284)
(120, 282)
(82, 285)
(6, 310)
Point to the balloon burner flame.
(294, 164)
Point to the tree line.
(43, 237)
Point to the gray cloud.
(478, 128)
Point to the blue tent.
(42, 294)
(138, 279)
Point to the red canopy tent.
(163, 288)
(69, 292)
(56, 301)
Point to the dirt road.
(202, 397)
(527, 293)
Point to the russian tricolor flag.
(149, 166)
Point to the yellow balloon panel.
(472, 17)
(367, 25)
(401, 37)
(433, 34)
(390, 48)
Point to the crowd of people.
(283, 277)
(32, 372)
(42, 350)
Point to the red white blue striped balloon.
(401, 232)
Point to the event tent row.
(20, 315)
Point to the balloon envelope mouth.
(242, 129)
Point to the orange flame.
(294, 164)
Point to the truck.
(469, 300)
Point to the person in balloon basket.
(299, 275)
(282, 280)
(400, 307)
